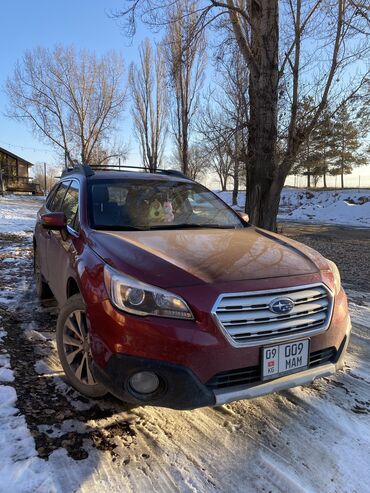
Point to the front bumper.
(182, 389)
(287, 382)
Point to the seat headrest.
(101, 194)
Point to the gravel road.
(348, 247)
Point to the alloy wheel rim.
(76, 345)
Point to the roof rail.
(87, 170)
(84, 169)
(115, 167)
(124, 167)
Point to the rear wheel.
(42, 288)
(73, 345)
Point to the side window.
(76, 222)
(70, 203)
(56, 203)
(50, 197)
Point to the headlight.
(133, 296)
(336, 275)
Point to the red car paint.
(77, 259)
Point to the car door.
(42, 234)
(53, 204)
(61, 248)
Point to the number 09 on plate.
(283, 359)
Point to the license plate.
(282, 359)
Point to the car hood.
(188, 257)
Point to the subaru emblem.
(281, 305)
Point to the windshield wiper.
(191, 226)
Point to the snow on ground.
(21, 471)
(308, 439)
(345, 207)
(17, 213)
(20, 468)
(337, 213)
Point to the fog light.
(144, 382)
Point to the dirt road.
(348, 247)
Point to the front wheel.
(73, 345)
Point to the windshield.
(153, 204)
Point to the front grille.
(252, 375)
(324, 356)
(247, 319)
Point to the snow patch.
(337, 213)
(6, 374)
(20, 469)
(360, 315)
(18, 213)
(68, 426)
(344, 207)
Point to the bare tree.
(327, 39)
(320, 42)
(222, 165)
(46, 180)
(73, 100)
(199, 162)
(149, 93)
(185, 50)
(217, 140)
(223, 123)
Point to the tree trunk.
(308, 177)
(324, 178)
(263, 181)
(236, 182)
(185, 152)
(342, 174)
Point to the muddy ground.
(30, 327)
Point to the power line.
(25, 148)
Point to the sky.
(83, 23)
(27, 24)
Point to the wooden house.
(14, 174)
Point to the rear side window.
(56, 202)
(50, 197)
(70, 203)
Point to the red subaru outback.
(168, 297)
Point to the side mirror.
(56, 221)
(244, 216)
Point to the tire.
(42, 287)
(74, 348)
